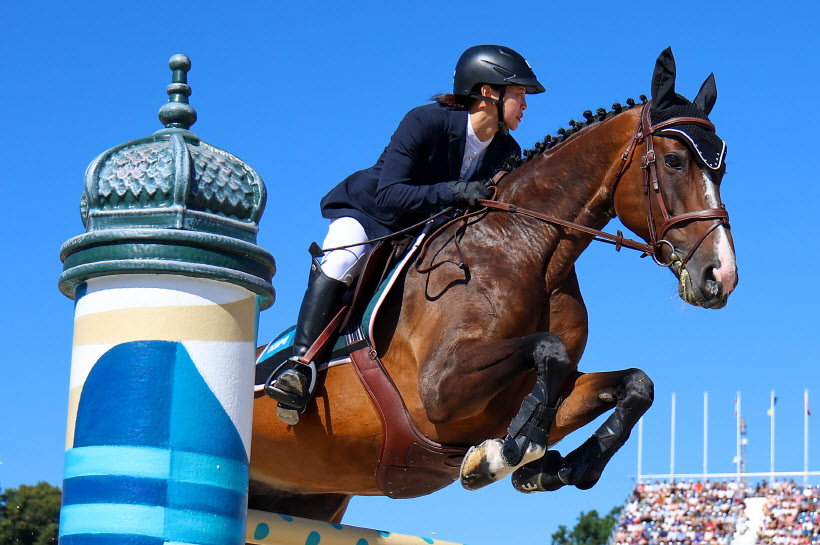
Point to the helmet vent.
(498, 69)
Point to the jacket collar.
(458, 139)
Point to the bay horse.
(490, 349)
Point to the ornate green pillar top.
(171, 204)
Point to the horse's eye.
(673, 161)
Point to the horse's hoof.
(540, 475)
(485, 463)
(576, 474)
(481, 465)
(582, 476)
(287, 415)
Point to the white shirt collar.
(473, 149)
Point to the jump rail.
(272, 529)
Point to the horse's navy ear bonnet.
(709, 150)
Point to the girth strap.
(410, 464)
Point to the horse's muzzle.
(701, 290)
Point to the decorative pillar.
(168, 283)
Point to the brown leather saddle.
(410, 464)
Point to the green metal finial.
(177, 113)
(170, 203)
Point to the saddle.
(410, 464)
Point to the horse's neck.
(572, 182)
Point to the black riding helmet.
(494, 65)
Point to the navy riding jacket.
(409, 181)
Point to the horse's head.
(673, 201)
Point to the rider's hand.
(467, 193)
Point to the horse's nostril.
(710, 287)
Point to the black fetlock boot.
(292, 383)
(531, 425)
(583, 466)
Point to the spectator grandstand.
(720, 512)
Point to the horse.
(483, 337)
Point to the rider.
(442, 154)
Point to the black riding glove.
(469, 192)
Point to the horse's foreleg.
(630, 391)
(528, 432)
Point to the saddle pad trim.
(369, 317)
(278, 350)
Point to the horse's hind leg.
(326, 507)
(630, 391)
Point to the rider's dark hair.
(453, 102)
(460, 102)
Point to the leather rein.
(651, 185)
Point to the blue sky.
(307, 92)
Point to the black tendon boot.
(582, 467)
(531, 425)
(292, 383)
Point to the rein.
(650, 176)
(618, 240)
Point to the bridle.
(645, 130)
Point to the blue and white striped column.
(168, 283)
(158, 440)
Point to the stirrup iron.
(291, 384)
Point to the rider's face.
(515, 102)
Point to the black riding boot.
(292, 383)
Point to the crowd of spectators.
(790, 514)
(694, 513)
(685, 512)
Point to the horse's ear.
(707, 95)
(663, 80)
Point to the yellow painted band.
(230, 322)
(73, 405)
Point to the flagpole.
(640, 448)
(672, 445)
(705, 431)
(737, 410)
(805, 437)
(771, 440)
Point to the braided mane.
(550, 141)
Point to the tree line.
(30, 515)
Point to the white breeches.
(345, 264)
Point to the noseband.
(720, 216)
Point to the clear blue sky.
(307, 92)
